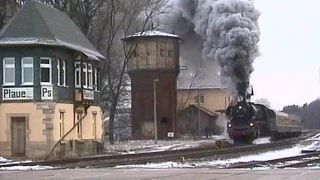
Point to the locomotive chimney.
(242, 90)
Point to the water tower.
(153, 68)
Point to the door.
(18, 136)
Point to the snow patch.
(139, 146)
(164, 165)
(25, 168)
(294, 151)
(263, 140)
(2, 160)
(152, 33)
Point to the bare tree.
(117, 19)
(2, 13)
(187, 84)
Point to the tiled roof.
(39, 24)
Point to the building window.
(61, 124)
(96, 79)
(94, 124)
(161, 52)
(196, 98)
(90, 78)
(8, 71)
(77, 74)
(61, 66)
(85, 75)
(86, 78)
(79, 126)
(169, 53)
(45, 70)
(27, 70)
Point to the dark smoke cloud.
(229, 34)
(232, 33)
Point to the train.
(249, 121)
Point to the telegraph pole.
(155, 110)
(199, 128)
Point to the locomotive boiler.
(248, 121)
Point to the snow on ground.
(296, 150)
(263, 140)
(19, 168)
(139, 146)
(25, 168)
(164, 165)
(314, 138)
(3, 160)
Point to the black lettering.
(13, 94)
(23, 94)
(5, 93)
(46, 92)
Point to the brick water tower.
(153, 68)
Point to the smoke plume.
(229, 33)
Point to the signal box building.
(50, 85)
(153, 69)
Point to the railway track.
(142, 158)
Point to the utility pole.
(199, 128)
(155, 110)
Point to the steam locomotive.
(248, 121)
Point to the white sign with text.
(88, 94)
(17, 93)
(47, 92)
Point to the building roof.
(203, 109)
(207, 77)
(152, 33)
(39, 24)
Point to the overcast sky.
(287, 72)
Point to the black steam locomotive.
(249, 121)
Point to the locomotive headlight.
(229, 125)
(251, 124)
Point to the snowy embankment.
(293, 151)
(139, 146)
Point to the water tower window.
(8, 71)
(45, 71)
(170, 53)
(27, 70)
(161, 52)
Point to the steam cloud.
(229, 33)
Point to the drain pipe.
(59, 141)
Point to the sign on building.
(17, 93)
(88, 94)
(47, 92)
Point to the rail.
(148, 157)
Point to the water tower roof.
(152, 33)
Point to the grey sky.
(287, 72)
